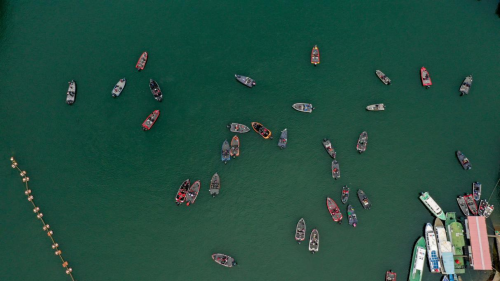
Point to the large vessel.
(225, 152)
(335, 169)
(141, 63)
(476, 190)
(283, 139)
(390, 276)
(463, 205)
(300, 231)
(151, 120)
(456, 236)
(432, 205)
(345, 194)
(329, 149)
(351, 214)
(432, 249)
(362, 142)
(417, 260)
(469, 199)
(303, 107)
(315, 55)
(235, 147)
(464, 161)
(247, 81)
(71, 93)
(192, 193)
(314, 241)
(383, 77)
(376, 107)
(465, 87)
(425, 77)
(365, 202)
(238, 128)
(214, 185)
(334, 210)
(155, 90)
(224, 260)
(118, 88)
(261, 130)
(445, 248)
(181, 193)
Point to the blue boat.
(225, 154)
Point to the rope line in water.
(39, 215)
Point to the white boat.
(432, 205)
(445, 248)
(71, 93)
(314, 241)
(432, 249)
(117, 90)
(376, 107)
(303, 107)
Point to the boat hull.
(383, 77)
(235, 147)
(283, 139)
(261, 130)
(425, 77)
(117, 90)
(224, 260)
(315, 57)
(300, 231)
(141, 63)
(225, 152)
(151, 120)
(71, 93)
(182, 192)
(215, 185)
(362, 142)
(238, 128)
(363, 199)
(334, 210)
(466, 84)
(314, 241)
(193, 192)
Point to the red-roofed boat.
(151, 120)
(334, 210)
(315, 55)
(425, 77)
(141, 63)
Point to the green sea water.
(107, 188)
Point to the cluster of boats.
(188, 193)
(468, 203)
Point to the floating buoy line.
(39, 215)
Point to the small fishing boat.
(151, 120)
(329, 149)
(365, 202)
(463, 205)
(390, 276)
(261, 130)
(181, 193)
(426, 79)
(71, 93)
(351, 214)
(464, 161)
(335, 169)
(314, 241)
(315, 55)
(225, 153)
(192, 193)
(476, 190)
(238, 128)
(362, 142)
(345, 194)
(432, 205)
(481, 208)
(283, 139)
(224, 260)
(117, 90)
(235, 147)
(376, 107)
(334, 210)
(432, 249)
(465, 87)
(247, 81)
(155, 90)
(469, 199)
(215, 185)
(141, 63)
(303, 107)
(383, 77)
(488, 210)
(417, 261)
(300, 231)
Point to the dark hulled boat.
(345, 194)
(365, 202)
(390, 276)
(464, 161)
(155, 90)
(476, 190)
(215, 185)
(471, 204)
(225, 152)
(463, 205)
(351, 214)
(247, 81)
(192, 193)
(283, 139)
(335, 169)
(181, 193)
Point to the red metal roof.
(479, 242)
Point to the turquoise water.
(107, 188)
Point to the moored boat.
(329, 148)
(471, 204)
(390, 276)
(482, 207)
(300, 231)
(351, 214)
(238, 128)
(417, 260)
(141, 63)
(314, 241)
(432, 205)
(225, 152)
(283, 139)
(261, 130)
(345, 194)
(464, 161)
(118, 88)
(192, 193)
(488, 210)
(181, 193)
(363, 199)
(432, 249)
(303, 107)
(383, 77)
(235, 147)
(335, 169)
(247, 81)
(71, 93)
(376, 107)
(465, 87)
(476, 190)
(155, 90)
(215, 185)
(463, 205)
(151, 120)
(362, 142)
(456, 236)
(224, 260)
(445, 248)
(425, 77)
(315, 55)
(334, 210)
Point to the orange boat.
(426, 78)
(141, 63)
(315, 55)
(261, 130)
(151, 120)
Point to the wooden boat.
(345, 194)
(335, 169)
(303, 107)
(315, 55)
(235, 147)
(151, 120)
(261, 130)
(476, 190)
(71, 93)
(334, 210)
(465, 87)
(300, 231)
(464, 161)
(215, 185)
(224, 260)
(117, 90)
(471, 204)
(238, 128)
(327, 144)
(351, 214)
(155, 90)
(192, 193)
(283, 139)
(225, 152)
(247, 81)
(390, 276)
(314, 241)
(376, 107)
(383, 77)
(463, 205)
(181, 193)
(363, 199)
(141, 63)
(362, 142)
(425, 77)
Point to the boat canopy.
(448, 262)
(479, 241)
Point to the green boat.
(456, 236)
(417, 260)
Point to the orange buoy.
(55, 245)
(30, 198)
(39, 216)
(65, 264)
